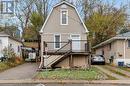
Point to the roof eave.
(41, 31)
(109, 41)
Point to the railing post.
(71, 57)
(70, 45)
(44, 45)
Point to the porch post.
(71, 56)
(71, 61)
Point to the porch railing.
(71, 45)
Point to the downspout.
(41, 63)
(125, 50)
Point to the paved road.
(24, 71)
(61, 85)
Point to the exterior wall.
(16, 45)
(123, 53)
(78, 61)
(4, 43)
(74, 26)
(108, 51)
(64, 63)
(53, 26)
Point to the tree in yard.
(23, 11)
(32, 14)
(103, 20)
(36, 22)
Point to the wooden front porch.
(65, 50)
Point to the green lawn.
(79, 74)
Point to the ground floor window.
(57, 41)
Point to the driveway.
(24, 71)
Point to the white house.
(9, 41)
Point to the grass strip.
(79, 74)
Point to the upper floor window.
(129, 43)
(64, 17)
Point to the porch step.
(49, 61)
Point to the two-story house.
(64, 38)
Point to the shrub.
(18, 60)
(11, 56)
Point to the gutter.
(109, 41)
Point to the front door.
(75, 43)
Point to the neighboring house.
(117, 48)
(64, 38)
(7, 41)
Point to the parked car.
(98, 59)
(31, 57)
(128, 65)
(3, 59)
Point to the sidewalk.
(119, 77)
(29, 81)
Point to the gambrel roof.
(64, 2)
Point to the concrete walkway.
(24, 71)
(119, 77)
(120, 70)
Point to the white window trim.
(79, 39)
(54, 41)
(75, 34)
(61, 16)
